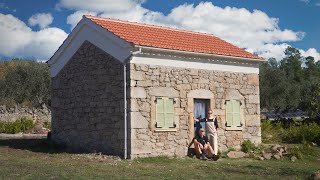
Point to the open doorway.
(200, 110)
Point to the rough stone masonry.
(87, 102)
(87, 105)
(148, 81)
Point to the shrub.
(302, 150)
(271, 131)
(248, 146)
(22, 124)
(231, 149)
(304, 133)
(47, 125)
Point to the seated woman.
(202, 147)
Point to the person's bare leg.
(215, 143)
(198, 150)
(209, 151)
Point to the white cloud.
(277, 51)
(311, 52)
(272, 50)
(18, 40)
(252, 30)
(99, 5)
(305, 1)
(43, 20)
(74, 18)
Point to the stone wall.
(148, 81)
(11, 114)
(87, 102)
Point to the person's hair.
(210, 110)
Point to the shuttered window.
(164, 112)
(233, 113)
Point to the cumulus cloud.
(99, 5)
(43, 20)
(17, 39)
(74, 18)
(311, 52)
(254, 30)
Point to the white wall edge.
(195, 63)
(87, 30)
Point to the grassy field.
(36, 159)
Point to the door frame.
(197, 94)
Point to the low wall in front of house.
(185, 84)
(13, 113)
(87, 102)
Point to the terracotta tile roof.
(170, 38)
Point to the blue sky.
(36, 28)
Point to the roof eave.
(205, 55)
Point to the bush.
(271, 131)
(300, 151)
(297, 132)
(248, 146)
(22, 124)
(47, 125)
(231, 149)
(303, 133)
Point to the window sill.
(234, 128)
(166, 130)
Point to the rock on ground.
(276, 156)
(267, 156)
(293, 158)
(236, 154)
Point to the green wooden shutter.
(169, 112)
(233, 113)
(236, 114)
(229, 113)
(165, 112)
(160, 113)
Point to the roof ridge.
(150, 25)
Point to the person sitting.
(202, 147)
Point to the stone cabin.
(134, 89)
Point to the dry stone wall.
(87, 102)
(11, 114)
(148, 81)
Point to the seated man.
(202, 146)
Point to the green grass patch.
(40, 159)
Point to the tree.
(314, 106)
(26, 81)
(272, 81)
(288, 84)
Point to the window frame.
(155, 122)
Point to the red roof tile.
(170, 38)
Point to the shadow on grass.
(34, 145)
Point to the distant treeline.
(24, 82)
(291, 84)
